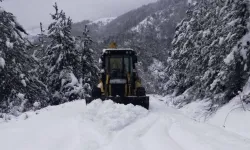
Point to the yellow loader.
(118, 79)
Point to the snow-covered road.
(109, 126)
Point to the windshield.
(116, 63)
(119, 63)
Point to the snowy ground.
(233, 117)
(109, 126)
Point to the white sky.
(31, 12)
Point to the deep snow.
(234, 116)
(109, 126)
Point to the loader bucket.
(134, 100)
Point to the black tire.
(140, 91)
(96, 92)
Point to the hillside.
(150, 33)
(96, 27)
(131, 19)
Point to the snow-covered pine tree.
(180, 55)
(89, 69)
(233, 75)
(211, 30)
(19, 87)
(39, 53)
(62, 61)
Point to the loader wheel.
(140, 91)
(96, 92)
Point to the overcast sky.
(30, 12)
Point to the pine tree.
(180, 55)
(89, 69)
(61, 59)
(69, 68)
(211, 30)
(19, 87)
(232, 75)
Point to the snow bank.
(68, 126)
(231, 117)
(51, 128)
(113, 116)
(197, 110)
(235, 116)
(9, 119)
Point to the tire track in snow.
(109, 126)
(147, 133)
(184, 133)
(90, 136)
(191, 135)
(128, 138)
(157, 137)
(163, 128)
(103, 122)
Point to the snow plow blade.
(134, 100)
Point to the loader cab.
(118, 80)
(119, 62)
(118, 71)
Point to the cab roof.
(117, 49)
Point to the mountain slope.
(132, 18)
(106, 126)
(149, 30)
(96, 27)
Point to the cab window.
(119, 63)
(115, 63)
(126, 65)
